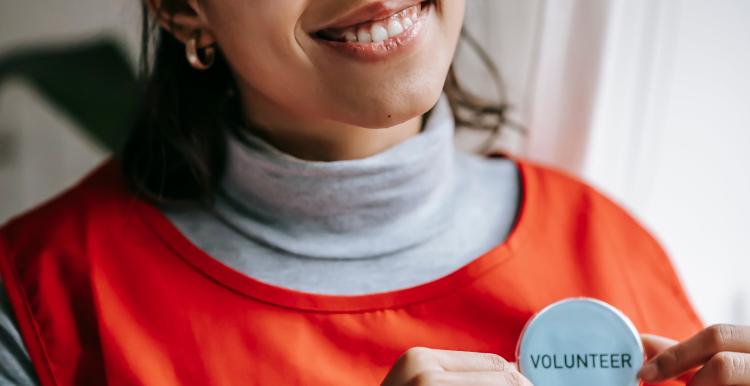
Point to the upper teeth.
(379, 31)
(395, 28)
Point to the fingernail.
(649, 372)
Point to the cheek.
(257, 38)
(453, 14)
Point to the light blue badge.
(580, 342)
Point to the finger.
(474, 378)
(449, 360)
(418, 360)
(724, 369)
(696, 351)
(655, 344)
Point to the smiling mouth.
(379, 30)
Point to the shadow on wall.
(91, 82)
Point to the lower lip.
(375, 52)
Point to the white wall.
(697, 193)
(670, 138)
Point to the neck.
(319, 139)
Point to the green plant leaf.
(91, 82)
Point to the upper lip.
(371, 11)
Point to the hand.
(723, 351)
(429, 367)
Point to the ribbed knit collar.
(368, 207)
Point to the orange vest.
(107, 291)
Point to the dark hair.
(175, 152)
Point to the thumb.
(654, 344)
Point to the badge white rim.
(621, 316)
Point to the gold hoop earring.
(193, 57)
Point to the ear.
(182, 18)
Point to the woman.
(290, 209)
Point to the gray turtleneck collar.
(414, 212)
(344, 206)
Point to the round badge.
(580, 342)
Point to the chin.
(379, 112)
(387, 104)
